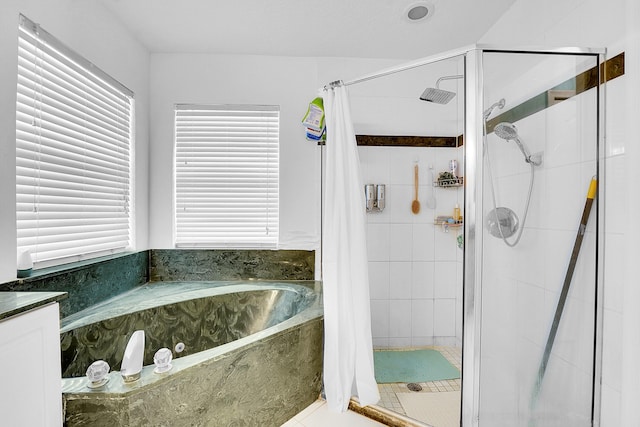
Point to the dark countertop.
(12, 303)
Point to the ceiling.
(324, 28)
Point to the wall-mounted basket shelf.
(447, 222)
(450, 224)
(448, 183)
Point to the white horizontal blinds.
(73, 166)
(226, 176)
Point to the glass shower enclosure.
(531, 327)
(532, 335)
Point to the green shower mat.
(412, 366)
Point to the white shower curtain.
(348, 350)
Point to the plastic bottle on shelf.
(456, 213)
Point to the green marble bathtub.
(253, 354)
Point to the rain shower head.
(437, 95)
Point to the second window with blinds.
(226, 176)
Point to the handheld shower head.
(506, 131)
(509, 132)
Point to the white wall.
(613, 25)
(90, 30)
(290, 83)
(622, 408)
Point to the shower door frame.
(473, 248)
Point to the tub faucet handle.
(162, 360)
(97, 373)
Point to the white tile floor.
(318, 415)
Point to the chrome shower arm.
(459, 76)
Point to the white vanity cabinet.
(30, 378)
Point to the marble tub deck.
(14, 303)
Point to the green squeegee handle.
(591, 194)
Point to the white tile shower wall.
(522, 284)
(415, 268)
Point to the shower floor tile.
(388, 392)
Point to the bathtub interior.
(200, 315)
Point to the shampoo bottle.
(456, 213)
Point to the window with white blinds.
(226, 176)
(73, 163)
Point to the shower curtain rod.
(402, 67)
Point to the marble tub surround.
(261, 379)
(213, 264)
(89, 282)
(12, 303)
(262, 384)
(201, 315)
